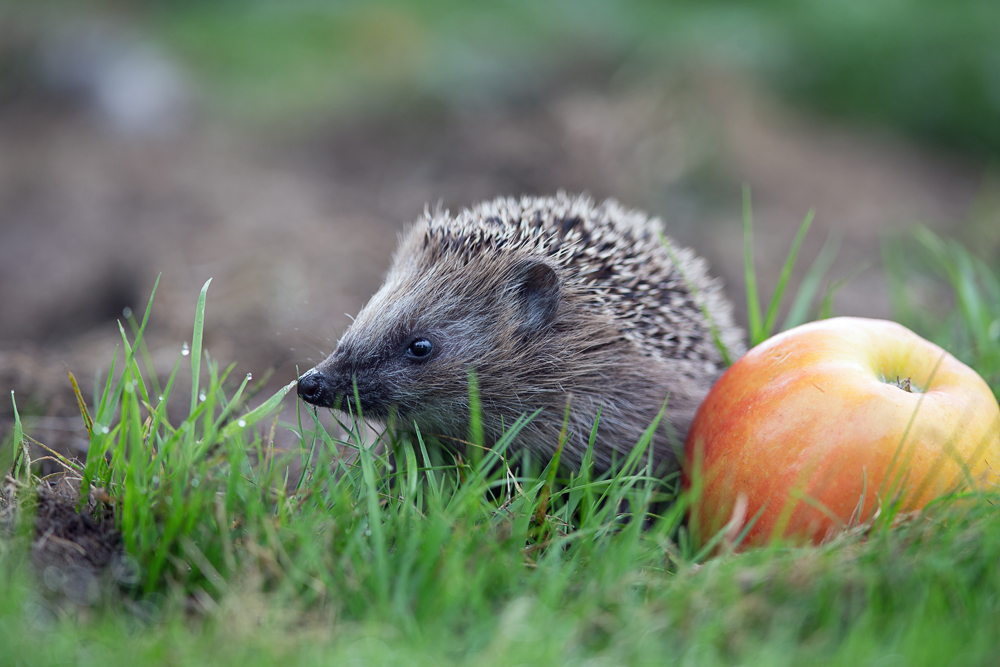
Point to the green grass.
(402, 554)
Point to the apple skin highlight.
(820, 426)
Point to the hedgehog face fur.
(545, 300)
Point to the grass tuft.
(944, 292)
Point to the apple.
(822, 426)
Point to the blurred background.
(279, 147)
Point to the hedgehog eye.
(419, 349)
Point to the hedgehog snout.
(317, 388)
(329, 386)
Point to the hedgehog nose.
(314, 387)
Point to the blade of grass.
(826, 309)
(476, 435)
(786, 272)
(10, 456)
(798, 313)
(88, 422)
(750, 274)
(147, 358)
(258, 413)
(543, 498)
(199, 325)
(375, 515)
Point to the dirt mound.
(77, 554)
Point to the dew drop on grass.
(105, 430)
(185, 351)
(241, 423)
(249, 376)
(160, 399)
(195, 482)
(201, 396)
(129, 388)
(127, 312)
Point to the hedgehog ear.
(536, 287)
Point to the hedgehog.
(544, 303)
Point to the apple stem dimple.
(904, 384)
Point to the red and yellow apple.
(819, 427)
